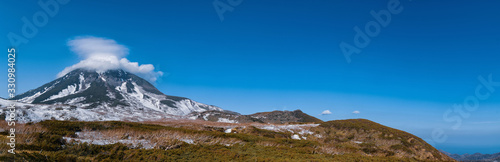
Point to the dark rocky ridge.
(275, 117)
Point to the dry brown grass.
(24, 133)
(163, 139)
(200, 123)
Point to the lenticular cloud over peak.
(102, 54)
(87, 47)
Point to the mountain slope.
(102, 94)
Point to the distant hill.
(477, 157)
(286, 117)
(274, 117)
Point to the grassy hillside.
(377, 139)
(175, 141)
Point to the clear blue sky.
(285, 55)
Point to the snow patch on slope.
(224, 120)
(68, 91)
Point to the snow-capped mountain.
(109, 95)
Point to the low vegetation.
(191, 141)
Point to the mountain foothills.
(275, 117)
(196, 140)
(117, 116)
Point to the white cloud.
(356, 112)
(326, 112)
(103, 54)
